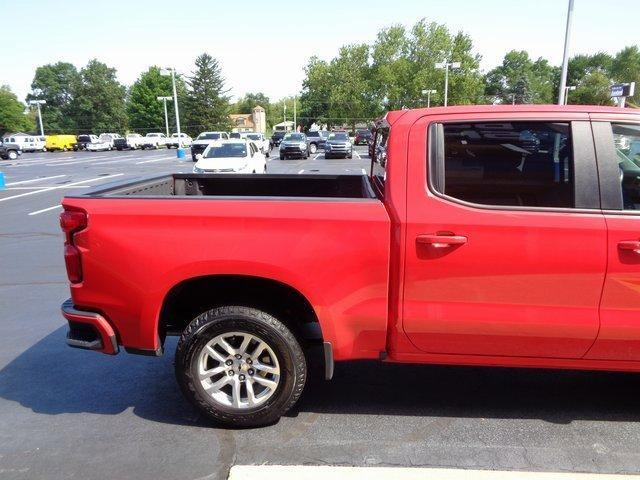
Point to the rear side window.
(626, 139)
(520, 164)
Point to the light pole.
(447, 65)
(166, 117)
(428, 94)
(295, 116)
(565, 58)
(172, 71)
(567, 89)
(38, 103)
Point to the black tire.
(281, 157)
(289, 354)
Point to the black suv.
(9, 151)
(316, 139)
(276, 138)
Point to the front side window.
(520, 164)
(626, 139)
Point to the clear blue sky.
(263, 46)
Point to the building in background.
(256, 121)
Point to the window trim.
(608, 174)
(584, 158)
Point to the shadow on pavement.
(50, 378)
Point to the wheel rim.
(312, 148)
(238, 370)
(13, 155)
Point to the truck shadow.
(49, 378)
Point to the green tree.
(56, 83)
(582, 65)
(144, 111)
(518, 69)
(626, 68)
(391, 69)
(207, 102)
(350, 99)
(12, 116)
(314, 99)
(592, 89)
(98, 104)
(249, 101)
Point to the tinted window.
(295, 137)
(208, 136)
(626, 139)
(523, 164)
(313, 133)
(379, 160)
(227, 150)
(339, 136)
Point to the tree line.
(365, 80)
(92, 100)
(359, 84)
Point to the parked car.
(83, 141)
(261, 141)
(235, 135)
(101, 144)
(316, 139)
(154, 140)
(9, 151)
(60, 142)
(338, 145)
(172, 141)
(294, 145)
(26, 142)
(131, 141)
(203, 140)
(276, 138)
(109, 138)
(363, 137)
(488, 235)
(231, 156)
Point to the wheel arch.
(192, 296)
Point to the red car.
(363, 137)
(484, 235)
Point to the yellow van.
(60, 142)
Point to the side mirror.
(198, 157)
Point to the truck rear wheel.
(240, 366)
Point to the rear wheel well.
(190, 298)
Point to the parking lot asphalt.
(68, 413)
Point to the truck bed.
(207, 185)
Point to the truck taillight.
(71, 222)
(73, 263)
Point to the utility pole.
(295, 116)
(446, 65)
(172, 71)
(565, 58)
(428, 94)
(166, 116)
(38, 103)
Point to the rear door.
(506, 245)
(618, 151)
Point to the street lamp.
(38, 103)
(428, 94)
(567, 89)
(172, 71)
(447, 65)
(166, 117)
(565, 58)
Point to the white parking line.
(316, 157)
(357, 154)
(153, 160)
(59, 187)
(33, 180)
(301, 171)
(277, 472)
(38, 212)
(364, 172)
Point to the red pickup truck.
(484, 235)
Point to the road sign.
(623, 89)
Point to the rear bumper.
(89, 330)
